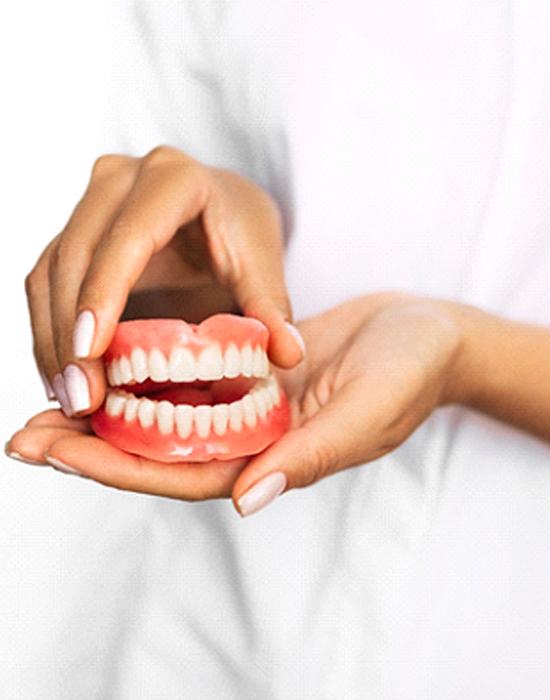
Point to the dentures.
(184, 392)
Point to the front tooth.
(203, 419)
(183, 415)
(181, 367)
(220, 418)
(273, 389)
(247, 359)
(258, 363)
(232, 361)
(249, 411)
(165, 417)
(146, 413)
(131, 409)
(138, 360)
(116, 374)
(260, 403)
(210, 364)
(158, 366)
(125, 369)
(236, 416)
(115, 404)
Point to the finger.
(169, 192)
(57, 419)
(31, 444)
(68, 263)
(37, 289)
(108, 465)
(339, 435)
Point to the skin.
(376, 367)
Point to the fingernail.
(297, 336)
(262, 493)
(83, 334)
(77, 389)
(61, 466)
(12, 454)
(50, 393)
(61, 394)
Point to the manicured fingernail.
(61, 466)
(50, 393)
(262, 493)
(77, 388)
(61, 394)
(83, 334)
(12, 454)
(297, 336)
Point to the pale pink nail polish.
(61, 466)
(76, 386)
(61, 394)
(83, 334)
(12, 454)
(297, 336)
(262, 493)
(50, 393)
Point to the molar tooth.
(232, 361)
(111, 374)
(146, 413)
(203, 420)
(115, 403)
(140, 368)
(181, 367)
(273, 389)
(220, 418)
(258, 363)
(265, 370)
(165, 417)
(183, 415)
(125, 369)
(131, 409)
(249, 411)
(260, 403)
(158, 366)
(117, 377)
(236, 416)
(210, 364)
(246, 359)
(268, 398)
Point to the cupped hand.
(376, 367)
(163, 222)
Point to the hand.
(162, 223)
(376, 368)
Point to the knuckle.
(160, 155)
(106, 165)
(321, 458)
(31, 283)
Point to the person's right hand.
(161, 221)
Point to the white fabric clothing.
(408, 144)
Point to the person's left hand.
(376, 367)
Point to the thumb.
(335, 438)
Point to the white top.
(409, 146)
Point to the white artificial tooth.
(210, 364)
(249, 411)
(131, 409)
(111, 374)
(140, 368)
(117, 377)
(181, 367)
(115, 404)
(265, 371)
(247, 358)
(236, 416)
(183, 415)
(273, 389)
(268, 398)
(165, 417)
(158, 366)
(232, 359)
(203, 420)
(258, 363)
(220, 418)
(146, 413)
(259, 401)
(125, 369)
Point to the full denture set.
(186, 392)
